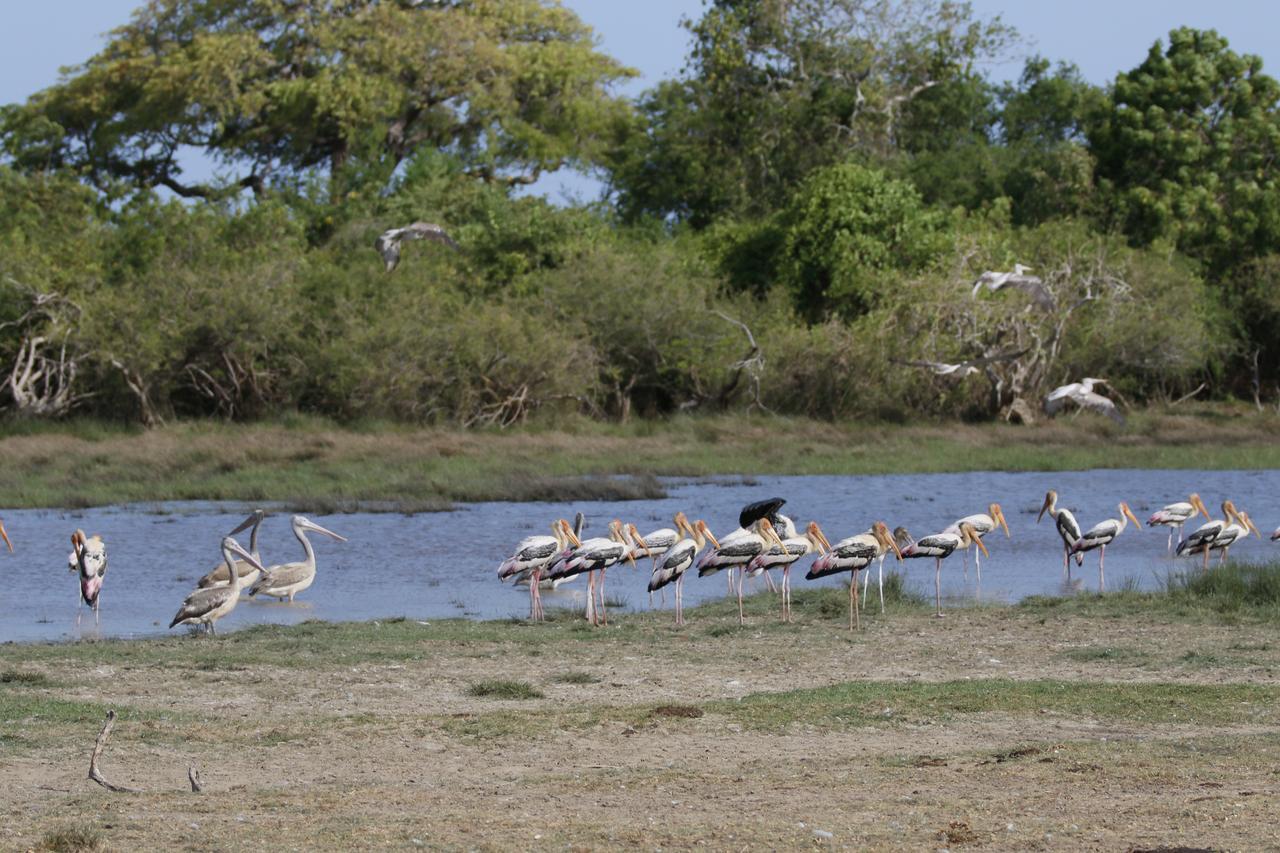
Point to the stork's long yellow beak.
(5, 536)
(1003, 523)
(1128, 512)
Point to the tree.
(278, 89)
(1189, 150)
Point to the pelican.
(208, 605)
(388, 242)
(532, 555)
(1031, 285)
(678, 558)
(982, 523)
(91, 566)
(1068, 528)
(737, 549)
(1201, 539)
(1178, 514)
(1103, 534)
(593, 555)
(1082, 394)
(785, 556)
(218, 576)
(940, 546)
(853, 555)
(288, 579)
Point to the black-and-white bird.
(532, 554)
(853, 555)
(793, 547)
(738, 549)
(590, 556)
(983, 523)
(1081, 394)
(670, 567)
(940, 546)
(1178, 514)
(388, 242)
(1032, 285)
(1200, 540)
(1103, 534)
(1067, 526)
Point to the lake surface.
(435, 565)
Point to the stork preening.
(786, 555)
(1067, 526)
(535, 553)
(388, 242)
(982, 524)
(1201, 540)
(206, 606)
(1177, 514)
(288, 579)
(678, 558)
(1082, 395)
(1103, 534)
(940, 546)
(852, 555)
(738, 549)
(91, 568)
(219, 575)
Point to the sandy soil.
(396, 754)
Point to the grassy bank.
(315, 465)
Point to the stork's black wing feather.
(753, 512)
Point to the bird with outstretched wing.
(1032, 285)
(388, 242)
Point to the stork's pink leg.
(1102, 556)
(768, 581)
(591, 597)
(937, 585)
(741, 619)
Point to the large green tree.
(344, 89)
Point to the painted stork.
(91, 569)
(656, 542)
(1233, 533)
(1238, 526)
(940, 546)
(852, 555)
(1178, 514)
(593, 555)
(1201, 539)
(288, 579)
(982, 523)
(206, 606)
(1103, 534)
(218, 576)
(737, 549)
(531, 556)
(1274, 537)
(793, 547)
(678, 558)
(1067, 526)
(5, 536)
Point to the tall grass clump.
(1232, 588)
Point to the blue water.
(436, 565)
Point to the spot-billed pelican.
(940, 546)
(678, 558)
(1200, 541)
(1103, 534)
(208, 605)
(737, 549)
(1178, 514)
(793, 547)
(219, 576)
(982, 524)
(1067, 526)
(288, 579)
(532, 555)
(1032, 285)
(1082, 395)
(388, 242)
(91, 569)
(853, 555)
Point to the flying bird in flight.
(1031, 285)
(388, 242)
(965, 368)
(1082, 394)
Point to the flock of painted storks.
(766, 539)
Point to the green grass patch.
(19, 678)
(1109, 654)
(503, 689)
(73, 839)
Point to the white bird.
(656, 542)
(786, 555)
(982, 523)
(1031, 285)
(1274, 536)
(590, 556)
(736, 550)
(1178, 514)
(852, 555)
(1201, 540)
(1103, 534)
(91, 568)
(288, 579)
(388, 242)
(218, 576)
(532, 555)
(1082, 394)
(678, 558)
(1067, 526)
(1232, 533)
(208, 605)
(940, 546)
(965, 368)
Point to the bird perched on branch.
(1031, 285)
(1082, 394)
(388, 242)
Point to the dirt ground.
(658, 743)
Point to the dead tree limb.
(752, 364)
(94, 773)
(1185, 397)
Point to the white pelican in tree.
(786, 555)
(738, 549)
(1103, 534)
(1082, 395)
(1031, 285)
(1067, 526)
(206, 606)
(533, 554)
(940, 546)
(388, 242)
(1200, 541)
(288, 579)
(91, 568)
(593, 555)
(982, 523)
(672, 565)
(852, 555)
(1178, 514)
(219, 576)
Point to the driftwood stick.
(94, 773)
(1185, 397)
(193, 776)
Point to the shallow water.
(444, 564)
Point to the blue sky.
(1103, 37)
